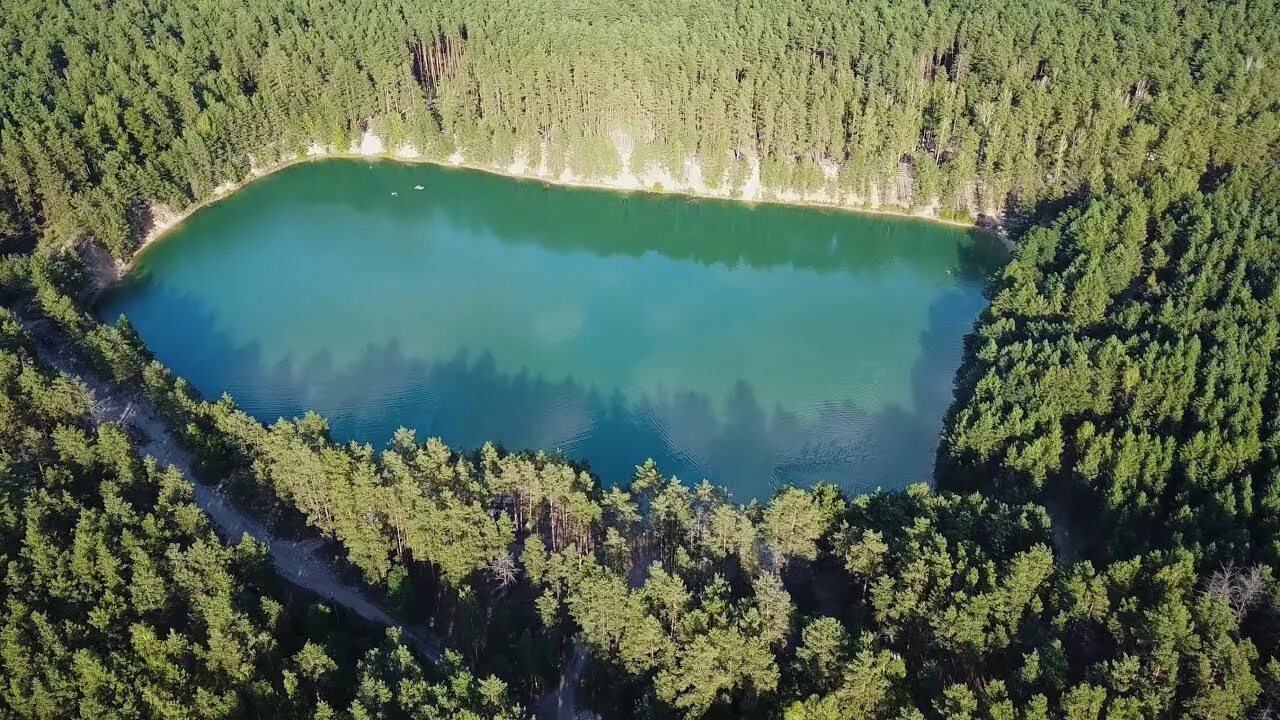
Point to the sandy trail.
(296, 560)
(562, 703)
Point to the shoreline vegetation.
(165, 220)
(1124, 382)
(816, 594)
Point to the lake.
(748, 345)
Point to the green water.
(747, 345)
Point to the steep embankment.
(690, 181)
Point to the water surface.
(750, 346)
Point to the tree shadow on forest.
(467, 398)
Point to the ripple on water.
(749, 346)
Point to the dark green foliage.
(1122, 377)
(107, 109)
(815, 605)
(119, 601)
(1128, 358)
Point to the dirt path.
(562, 703)
(295, 560)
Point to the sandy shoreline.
(164, 220)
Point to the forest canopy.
(986, 106)
(1079, 394)
(1100, 540)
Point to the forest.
(1101, 535)
(954, 602)
(990, 107)
(119, 600)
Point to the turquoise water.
(750, 346)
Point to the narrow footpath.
(562, 703)
(296, 560)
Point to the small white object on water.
(394, 194)
(417, 187)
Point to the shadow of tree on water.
(468, 398)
